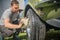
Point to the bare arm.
(12, 26)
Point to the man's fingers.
(26, 21)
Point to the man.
(10, 19)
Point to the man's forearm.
(13, 26)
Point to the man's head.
(14, 5)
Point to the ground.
(50, 35)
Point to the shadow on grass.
(50, 35)
(21, 35)
(53, 35)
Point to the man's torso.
(12, 16)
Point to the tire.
(36, 28)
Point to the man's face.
(15, 7)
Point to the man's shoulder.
(8, 10)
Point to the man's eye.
(16, 8)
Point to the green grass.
(53, 34)
(21, 35)
(50, 35)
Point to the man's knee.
(5, 31)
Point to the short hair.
(14, 2)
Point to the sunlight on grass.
(21, 35)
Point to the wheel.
(36, 28)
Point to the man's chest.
(14, 17)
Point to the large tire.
(36, 28)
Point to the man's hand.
(21, 22)
(25, 21)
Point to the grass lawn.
(50, 35)
(21, 35)
(53, 35)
